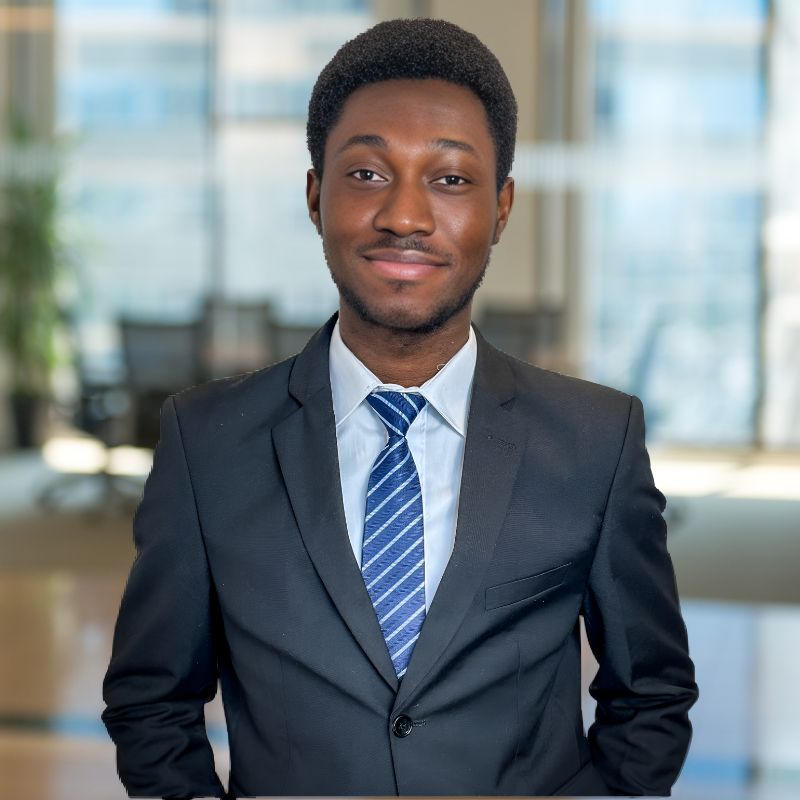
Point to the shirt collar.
(448, 391)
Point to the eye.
(452, 180)
(367, 175)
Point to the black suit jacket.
(245, 573)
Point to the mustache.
(404, 243)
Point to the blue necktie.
(393, 554)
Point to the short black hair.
(415, 49)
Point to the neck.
(401, 357)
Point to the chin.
(403, 317)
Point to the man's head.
(413, 126)
(405, 49)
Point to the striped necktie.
(393, 554)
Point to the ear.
(505, 201)
(312, 199)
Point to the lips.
(404, 265)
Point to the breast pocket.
(516, 591)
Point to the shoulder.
(583, 416)
(536, 389)
(572, 396)
(260, 397)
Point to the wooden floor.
(62, 576)
(61, 580)
(35, 766)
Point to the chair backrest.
(238, 338)
(162, 358)
(522, 334)
(291, 339)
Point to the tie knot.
(397, 410)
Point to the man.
(382, 546)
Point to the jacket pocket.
(515, 591)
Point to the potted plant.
(29, 312)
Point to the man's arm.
(645, 684)
(163, 668)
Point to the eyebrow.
(455, 144)
(369, 139)
(373, 140)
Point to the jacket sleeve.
(163, 667)
(645, 684)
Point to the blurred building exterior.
(782, 234)
(674, 255)
(650, 150)
(189, 156)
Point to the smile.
(403, 265)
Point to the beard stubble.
(440, 315)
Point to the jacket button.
(402, 726)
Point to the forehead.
(413, 111)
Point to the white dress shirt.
(436, 440)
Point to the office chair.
(161, 360)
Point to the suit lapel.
(306, 447)
(492, 455)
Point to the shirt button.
(402, 726)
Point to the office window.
(185, 158)
(674, 249)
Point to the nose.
(406, 209)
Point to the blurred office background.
(153, 234)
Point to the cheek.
(468, 229)
(343, 217)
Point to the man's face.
(408, 207)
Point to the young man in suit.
(382, 546)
